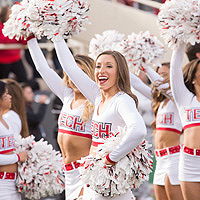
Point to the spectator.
(34, 118)
(10, 59)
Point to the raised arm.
(179, 90)
(140, 86)
(87, 86)
(52, 79)
(136, 130)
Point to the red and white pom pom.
(141, 50)
(54, 19)
(41, 174)
(108, 41)
(128, 172)
(179, 21)
(17, 25)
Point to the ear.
(197, 55)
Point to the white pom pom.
(141, 50)
(41, 174)
(129, 172)
(179, 22)
(108, 41)
(54, 19)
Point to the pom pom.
(54, 19)
(41, 174)
(141, 50)
(128, 172)
(179, 21)
(108, 41)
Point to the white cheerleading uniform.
(119, 112)
(167, 118)
(69, 121)
(8, 189)
(189, 111)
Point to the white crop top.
(69, 121)
(167, 118)
(187, 104)
(119, 112)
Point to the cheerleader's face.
(106, 73)
(5, 101)
(164, 71)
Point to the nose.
(101, 69)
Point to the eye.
(98, 66)
(109, 66)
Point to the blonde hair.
(123, 80)
(88, 66)
(18, 103)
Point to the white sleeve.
(8, 159)
(179, 90)
(140, 86)
(52, 79)
(152, 74)
(86, 85)
(136, 129)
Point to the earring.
(193, 82)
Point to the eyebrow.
(105, 63)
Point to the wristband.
(18, 157)
(30, 37)
(108, 159)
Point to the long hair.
(3, 13)
(2, 88)
(157, 97)
(189, 72)
(88, 66)
(18, 103)
(123, 80)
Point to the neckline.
(109, 102)
(70, 104)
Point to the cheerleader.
(17, 113)
(185, 89)
(74, 134)
(8, 159)
(115, 105)
(167, 128)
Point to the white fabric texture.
(189, 167)
(167, 165)
(73, 184)
(8, 190)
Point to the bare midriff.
(73, 147)
(192, 137)
(166, 138)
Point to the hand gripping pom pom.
(54, 19)
(108, 41)
(141, 50)
(41, 174)
(128, 172)
(179, 21)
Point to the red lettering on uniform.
(104, 133)
(3, 142)
(10, 141)
(188, 114)
(68, 124)
(167, 118)
(76, 123)
(196, 113)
